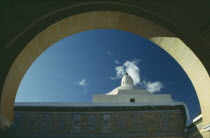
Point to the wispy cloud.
(120, 72)
(110, 53)
(83, 83)
(153, 86)
(116, 62)
(131, 67)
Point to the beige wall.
(193, 67)
(106, 20)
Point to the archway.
(107, 20)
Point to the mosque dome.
(127, 84)
(126, 80)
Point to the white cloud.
(134, 71)
(153, 86)
(83, 83)
(116, 61)
(120, 72)
(131, 68)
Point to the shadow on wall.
(194, 128)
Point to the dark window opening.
(132, 100)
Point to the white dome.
(127, 84)
(126, 80)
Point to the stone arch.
(106, 20)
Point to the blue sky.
(92, 62)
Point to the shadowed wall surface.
(117, 121)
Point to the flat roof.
(66, 104)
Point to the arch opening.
(71, 71)
(107, 20)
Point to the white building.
(128, 93)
